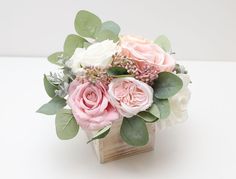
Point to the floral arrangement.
(105, 77)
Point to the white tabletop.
(204, 147)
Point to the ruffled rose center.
(130, 94)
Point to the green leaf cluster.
(66, 126)
(165, 86)
(89, 29)
(56, 103)
(88, 25)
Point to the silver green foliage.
(180, 69)
(62, 81)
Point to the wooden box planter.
(112, 147)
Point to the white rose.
(98, 54)
(178, 105)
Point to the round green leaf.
(53, 106)
(87, 24)
(49, 87)
(134, 131)
(163, 42)
(106, 34)
(72, 42)
(166, 85)
(163, 106)
(112, 26)
(66, 126)
(101, 133)
(56, 58)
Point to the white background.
(198, 29)
(201, 148)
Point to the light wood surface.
(112, 147)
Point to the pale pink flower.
(145, 53)
(130, 96)
(90, 105)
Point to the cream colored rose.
(178, 105)
(98, 54)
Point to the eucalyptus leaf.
(111, 26)
(166, 85)
(72, 42)
(56, 58)
(106, 34)
(53, 106)
(147, 117)
(49, 87)
(117, 71)
(152, 114)
(154, 110)
(87, 44)
(163, 42)
(101, 133)
(87, 24)
(66, 126)
(163, 106)
(134, 131)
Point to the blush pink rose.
(130, 96)
(90, 105)
(145, 52)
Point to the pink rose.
(90, 105)
(145, 52)
(130, 96)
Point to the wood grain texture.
(112, 147)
